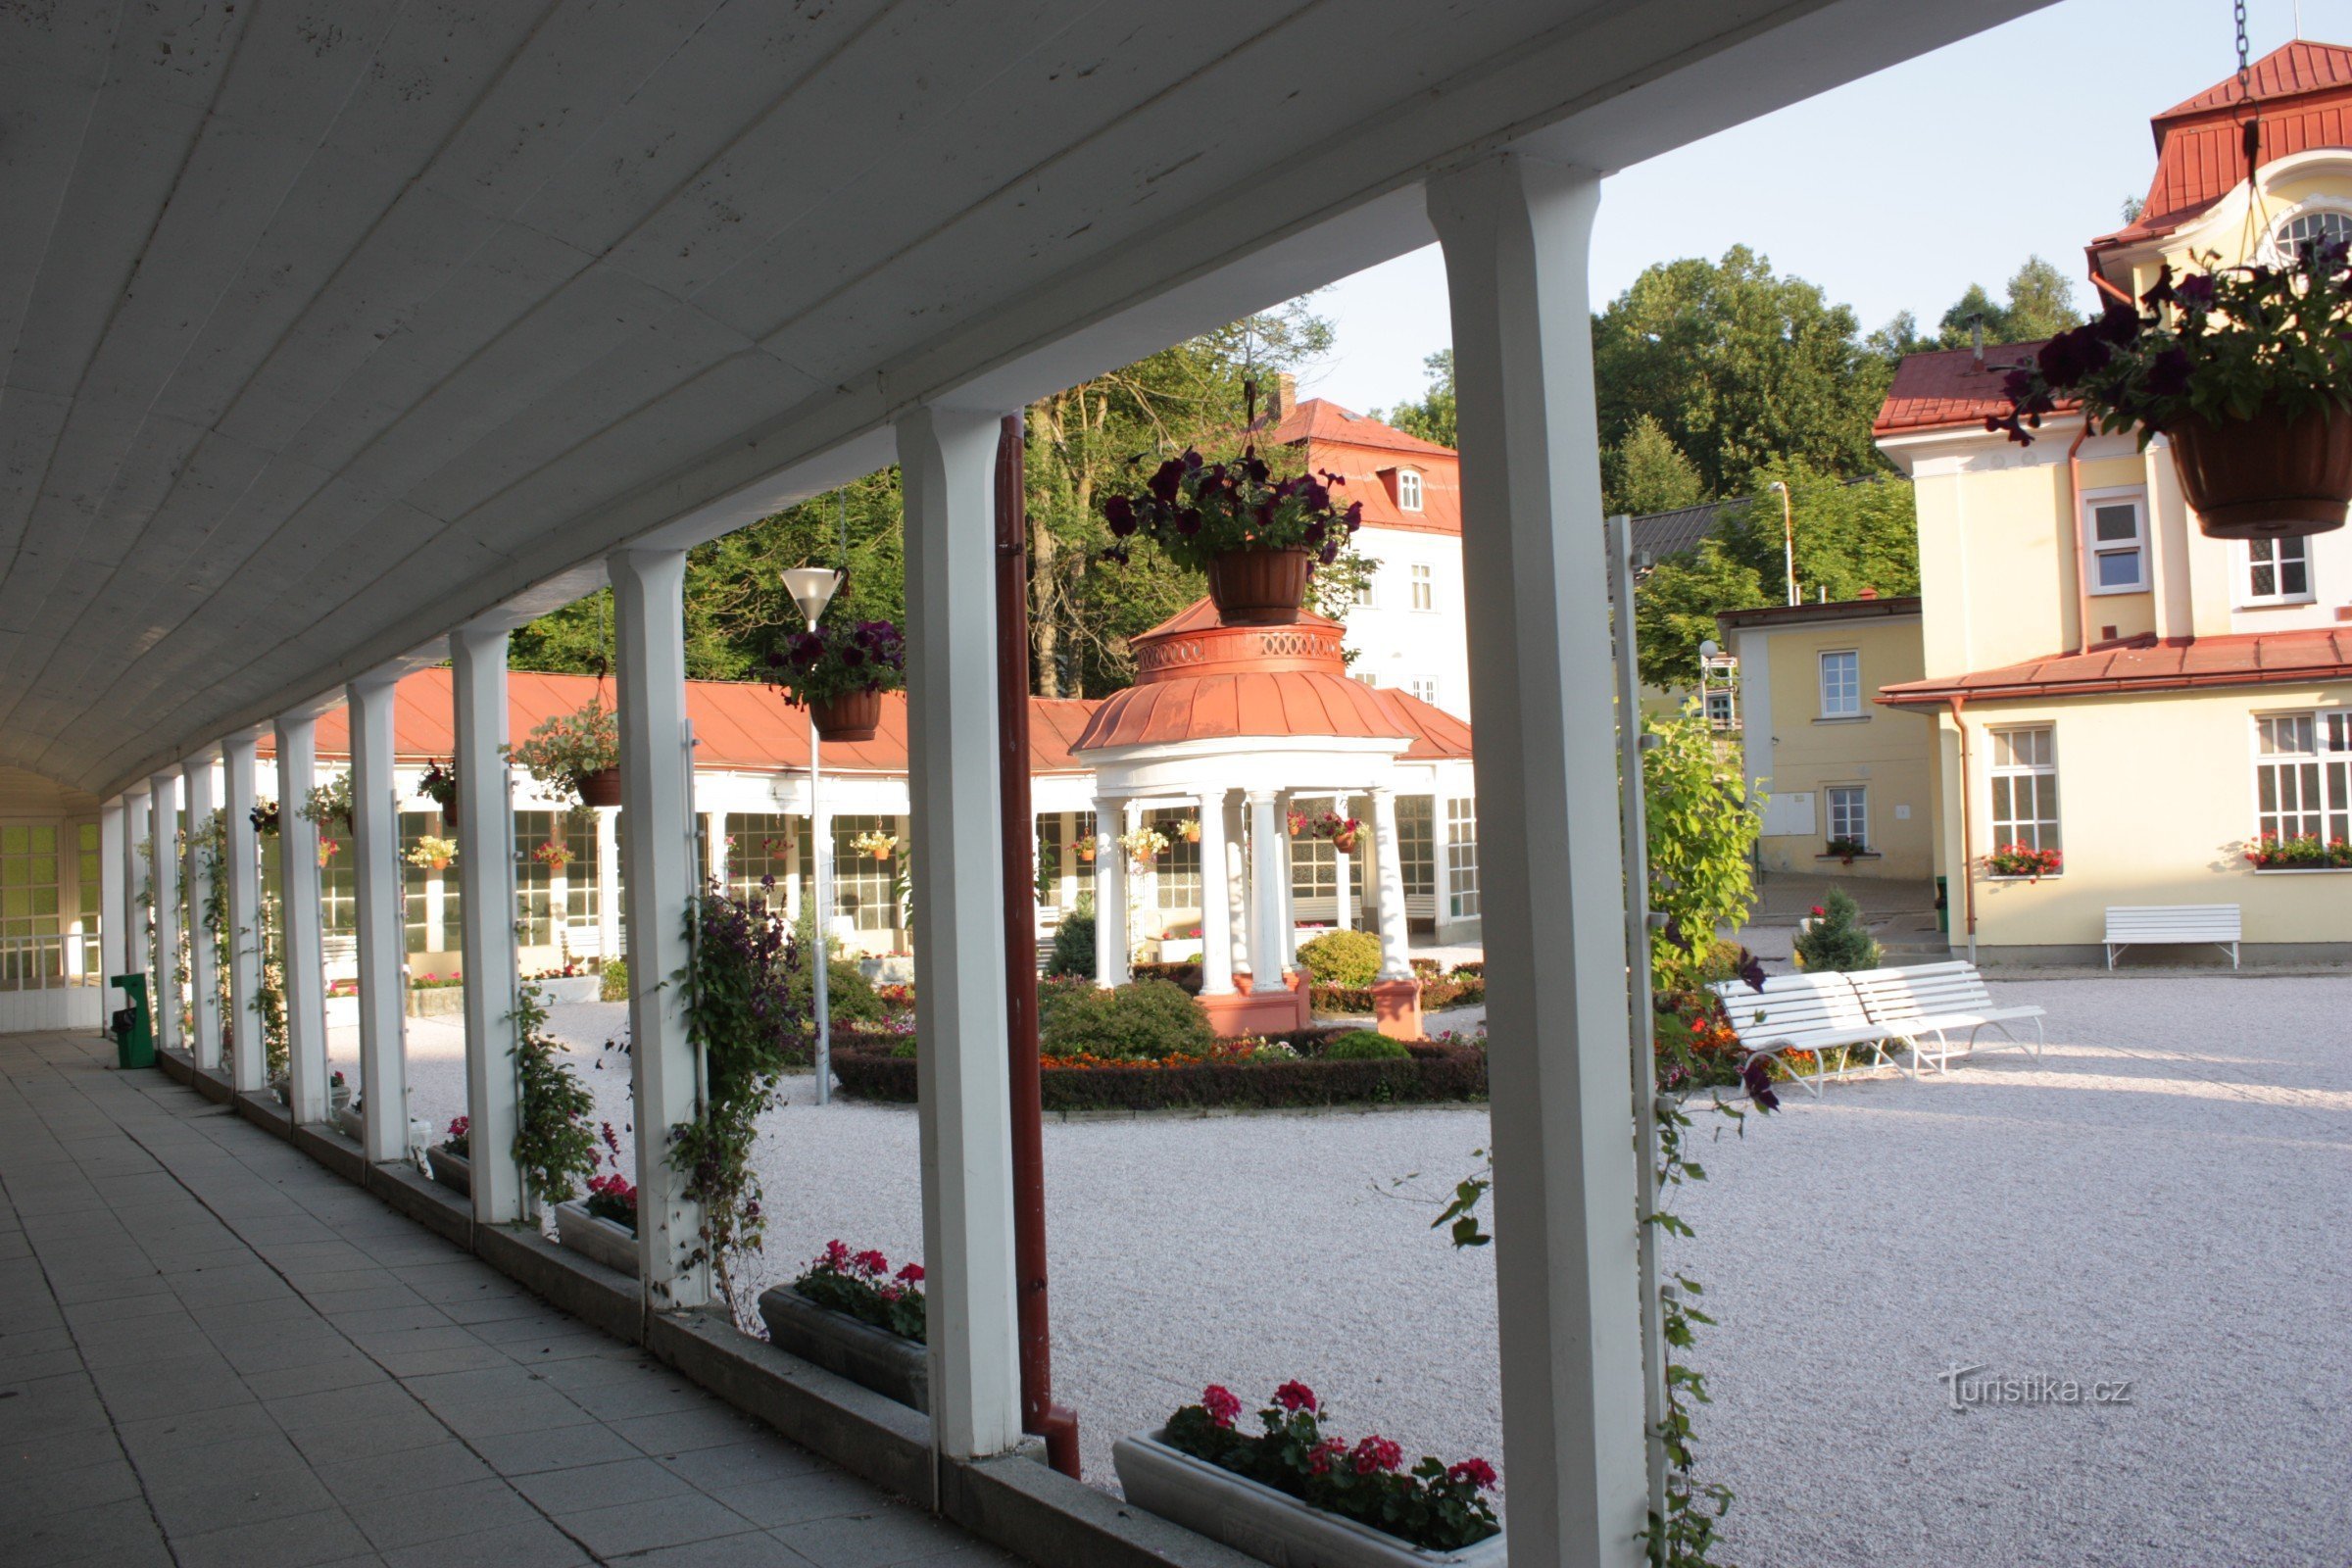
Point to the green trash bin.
(134, 1032)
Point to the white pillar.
(248, 1051)
(112, 934)
(1516, 233)
(486, 886)
(162, 864)
(298, 907)
(1216, 936)
(607, 882)
(204, 974)
(1110, 893)
(130, 872)
(1395, 942)
(715, 848)
(1239, 882)
(1286, 885)
(948, 461)
(660, 874)
(381, 920)
(1342, 877)
(1266, 873)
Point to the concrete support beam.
(1516, 235)
(382, 921)
(1216, 910)
(660, 874)
(301, 918)
(196, 875)
(111, 905)
(130, 875)
(163, 870)
(608, 884)
(248, 1058)
(486, 882)
(947, 459)
(1110, 893)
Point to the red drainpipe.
(2073, 512)
(1968, 864)
(1039, 1413)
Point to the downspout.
(1035, 1335)
(1968, 874)
(2074, 512)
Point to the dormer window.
(2311, 227)
(1409, 490)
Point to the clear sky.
(1892, 193)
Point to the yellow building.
(2104, 679)
(1849, 784)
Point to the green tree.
(1738, 365)
(1675, 607)
(1836, 941)
(1701, 828)
(1645, 472)
(1431, 418)
(2040, 305)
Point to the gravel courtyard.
(2166, 1200)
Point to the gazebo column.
(162, 863)
(1516, 233)
(248, 1051)
(380, 919)
(1343, 876)
(1397, 994)
(304, 940)
(1238, 883)
(478, 656)
(204, 972)
(130, 872)
(1110, 893)
(1267, 873)
(1286, 888)
(1217, 937)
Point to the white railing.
(49, 962)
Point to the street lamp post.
(1706, 658)
(812, 589)
(1788, 538)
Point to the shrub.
(1342, 958)
(1836, 940)
(849, 997)
(1148, 1020)
(1701, 828)
(1074, 943)
(1432, 1073)
(613, 981)
(1365, 1045)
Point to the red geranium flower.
(1376, 1455)
(1477, 1472)
(1219, 1402)
(1319, 1458)
(912, 1273)
(871, 1263)
(1295, 1395)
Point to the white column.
(660, 873)
(162, 864)
(204, 974)
(948, 461)
(298, 907)
(607, 882)
(381, 919)
(1388, 863)
(1110, 893)
(112, 944)
(1266, 873)
(1239, 883)
(714, 848)
(1216, 935)
(1286, 887)
(1342, 877)
(248, 1051)
(1516, 234)
(130, 872)
(486, 888)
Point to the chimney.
(1868, 593)
(1281, 398)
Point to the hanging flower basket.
(1086, 851)
(2247, 370)
(1258, 538)
(839, 670)
(876, 845)
(578, 753)
(440, 786)
(598, 787)
(326, 852)
(1256, 587)
(1190, 827)
(1144, 845)
(851, 716)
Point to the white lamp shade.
(812, 588)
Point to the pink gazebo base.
(1272, 1011)
(1396, 1006)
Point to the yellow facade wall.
(2156, 803)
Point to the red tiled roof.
(736, 724)
(2144, 664)
(1321, 420)
(1947, 387)
(2290, 68)
(1359, 449)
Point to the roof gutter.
(2112, 686)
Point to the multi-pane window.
(1849, 813)
(537, 837)
(338, 888)
(86, 865)
(428, 894)
(1461, 857)
(1841, 684)
(866, 890)
(582, 890)
(1723, 711)
(2303, 775)
(1314, 867)
(1363, 591)
(2278, 570)
(2115, 537)
(1424, 687)
(1179, 868)
(2025, 788)
(1416, 846)
(1409, 490)
(1425, 587)
(29, 903)
(2306, 229)
(764, 845)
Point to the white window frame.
(1822, 674)
(1828, 806)
(2096, 548)
(1409, 490)
(2038, 831)
(1425, 587)
(1424, 687)
(2251, 560)
(1366, 594)
(1461, 858)
(2300, 792)
(1728, 717)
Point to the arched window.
(1409, 490)
(2311, 227)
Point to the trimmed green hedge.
(1429, 1074)
(1455, 990)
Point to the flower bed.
(2309, 852)
(1457, 989)
(1241, 1073)
(851, 1314)
(602, 1226)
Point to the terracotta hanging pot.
(449, 815)
(1085, 851)
(1259, 587)
(1344, 843)
(851, 716)
(440, 864)
(2268, 477)
(600, 788)
(1192, 832)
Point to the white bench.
(2196, 924)
(1940, 999)
(1815, 1013)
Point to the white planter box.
(1268, 1524)
(601, 1241)
(875, 1358)
(351, 1123)
(450, 1168)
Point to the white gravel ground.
(2165, 1199)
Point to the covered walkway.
(217, 1352)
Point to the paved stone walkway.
(214, 1354)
